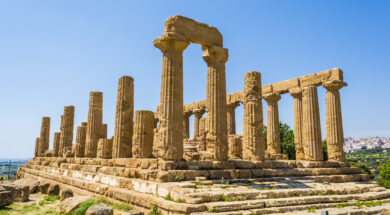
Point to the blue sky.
(53, 53)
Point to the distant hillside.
(352, 144)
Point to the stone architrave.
(79, 146)
(186, 124)
(94, 126)
(56, 144)
(198, 113)
(143, 134)
(67, 124)
(253, 138)
(104, 149)
(311, 132)
(273, 130)
(333, 121)
(36, 147)
(122, 143)
(296, 93)
(202, 134)
(216, 122)
(44, 137)
(231, 117)
(171, 97)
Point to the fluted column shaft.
(186, 125)
(231, 117)
(273, 127)
(143, 134)
(36, 147)
(95, 122)
(81, 134)
(122, 142)
(56, 144)
(171, 98)
(253, 138)
(333, 121)
(198, 115)
(44, 137)
(67, 122)
(296, 93)
(202, 134)
(216, 122)
(311, 132)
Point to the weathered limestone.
(79, 147)
(333, 120)
(56, 144)
(94, 127)
(253, 138)
(202, 134)
(235, 146)
(216, 122)
(171, 97)
(186, 124)
(45, 136)
(67, 123)
(198, 115)
(104, 149)
(273, 130)
(311, 132)
(296, 93)
(124, 118)
(143, 134)
(104, 131)
(36, 147)
(231, 117)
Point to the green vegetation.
(154, 209)
(225, 198)
(117, 206)
(312, 210)
(175, 176)
(84, 207)
(168, 197)
(384, 175)
(48, 200)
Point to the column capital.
(271, 97)
(334, 85)
(171, 42)
(187, 114)
(199, 112)
(295, 92)
(232, 105)
(215, 54)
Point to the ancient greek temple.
(150, 148)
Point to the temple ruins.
(152, 155)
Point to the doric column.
(296, 93)
(253, 138)
(186, 124)
(143, 134)
(124, 118)
(311, 132)
(333, 120)
(198, 115)
(216, 123)
(104, 148)
(45, 136)
(36, 147)
(273, 129)
(67, 122)
(104, 131)
(94, 126)
(80, 141)
(231, 117)
(202, 134)
(56, 144)
(171, 97)
(235, 147)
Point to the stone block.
(266, 89)
(315, 79)
(283, 86)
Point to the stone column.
(186, 125)
(273, 130)
(66, 137)
(171, 97)
(94, 126)
(296, 93)
(45, 136)
(202, 134)
(216, 122)
(198, 115)
(104, 149)
(80, 141)
(124, 118)
(311, 132)
(253, 138)
(231, 117)
(104, 131)
(235, 147)
(143, 134)
(333, 120)
(56, 144)
(36, 147)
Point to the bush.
(384, 175)
(84, 207)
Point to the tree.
(384, 175)
(286, 140)
(325, 150)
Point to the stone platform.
(212, 187)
